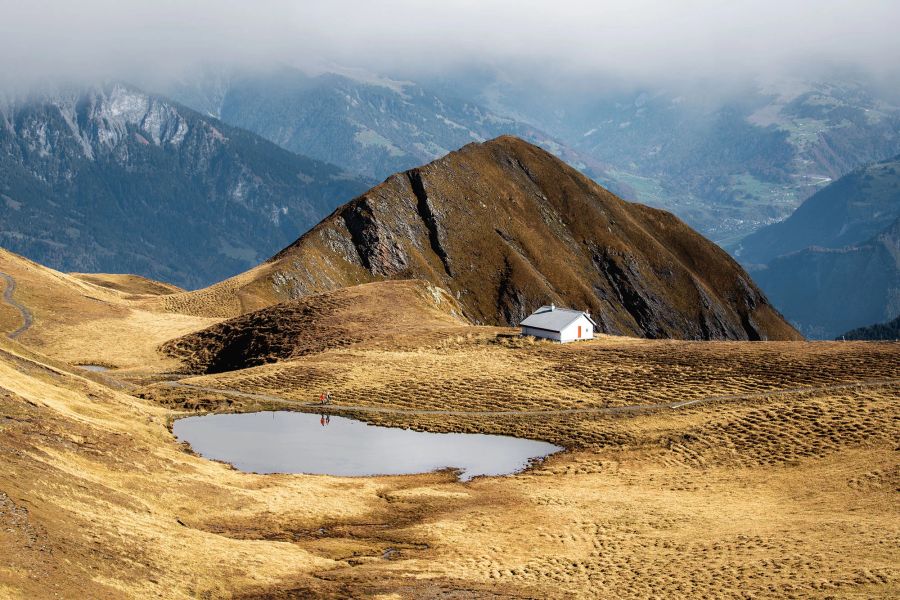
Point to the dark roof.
(553, 319)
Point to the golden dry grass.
(781, 495)
(130, 284)
(480, 369)
(82, 322)
(786, 496)
(394, 314)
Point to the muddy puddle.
(292, 442)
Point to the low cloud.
(628, 40)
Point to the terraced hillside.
(505, 227)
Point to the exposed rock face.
(506, 227)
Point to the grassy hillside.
(779, 461)
(86, 320)
(389, 313)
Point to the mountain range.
(365, 123)
(111, 178)
(835, 263)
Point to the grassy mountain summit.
(117, 180)
(506, 227)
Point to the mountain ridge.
(368, 125)
(506, 227)
(834, 264)
(847, 212)
(827, 291)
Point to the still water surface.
(292, 442)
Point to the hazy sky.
(632, 39)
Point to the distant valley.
(727, 161)
(834, 264)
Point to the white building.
(559, 324)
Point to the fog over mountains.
(727, 164)
(366, 123)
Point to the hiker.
(327, 397)
(322, 398)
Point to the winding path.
(611, 410)
(27, 317)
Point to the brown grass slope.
(505, 227)
(79, 320)
(395, 314)
(782, 496)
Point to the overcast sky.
(640, 40)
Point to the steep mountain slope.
(507, 227)
(849, 211)
(366, 124)
(826, 291)
(113, 179)
(880, 331)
